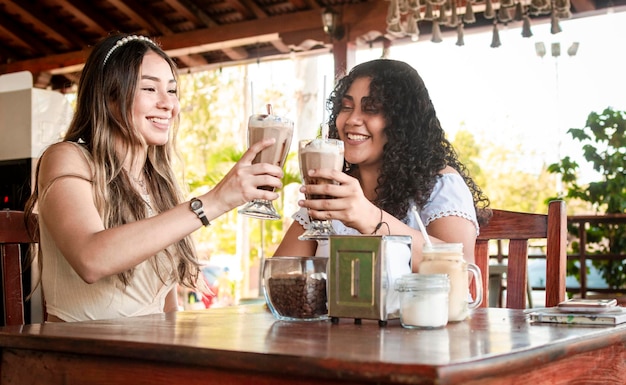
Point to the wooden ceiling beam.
(194, 60)
(134, 12)
(8, 34)
(28, 15)
(583, 5)
(373, 18)
(219, 45)
(5, 53)
(23, 37)
(58, 32)
(357, 17)
(254, 8)
(62, 63)
(280, 46)
(185, 11)
(313, 4)
(249, 29)
(236, 53)
(296, 38)
(191, 7)
(190, 11)
(367, 19)
(301, 4)
(84, 12)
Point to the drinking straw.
(252, 97)
(324, 130)
(421, 226)
(324, 100)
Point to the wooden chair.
(13, 235)
(518, 228)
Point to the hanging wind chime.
(405, 16)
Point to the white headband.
(123, 41)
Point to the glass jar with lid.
(423, 300)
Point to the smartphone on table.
(585, 305)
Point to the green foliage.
(209, 145)
(291, 169)
(270, 233)
(212, 140)
(469, 152)
(498, 170)
(604, 146)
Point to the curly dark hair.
(417, 149)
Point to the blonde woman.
(114, 226)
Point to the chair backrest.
(519, 228)
(13, 235)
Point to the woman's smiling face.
(156, 101)
(361, 125)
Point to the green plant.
(604, 146)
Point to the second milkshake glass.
(262, 127)
(316, 154)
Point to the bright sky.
(506, 95)
(510, 94)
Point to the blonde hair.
(103, 120)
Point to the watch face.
(196, 204)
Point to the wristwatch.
(196, 206)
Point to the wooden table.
(246, 345)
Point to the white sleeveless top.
(450, 197)
(70, 298)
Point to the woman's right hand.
(241, 184)
(349, 205)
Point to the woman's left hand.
(350, 205)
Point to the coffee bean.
(298, 296)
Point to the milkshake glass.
(261, 127)
(316, 154)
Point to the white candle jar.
(423, 300)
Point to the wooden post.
(344, 57)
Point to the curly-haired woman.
(397, 157)
(114, 226)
